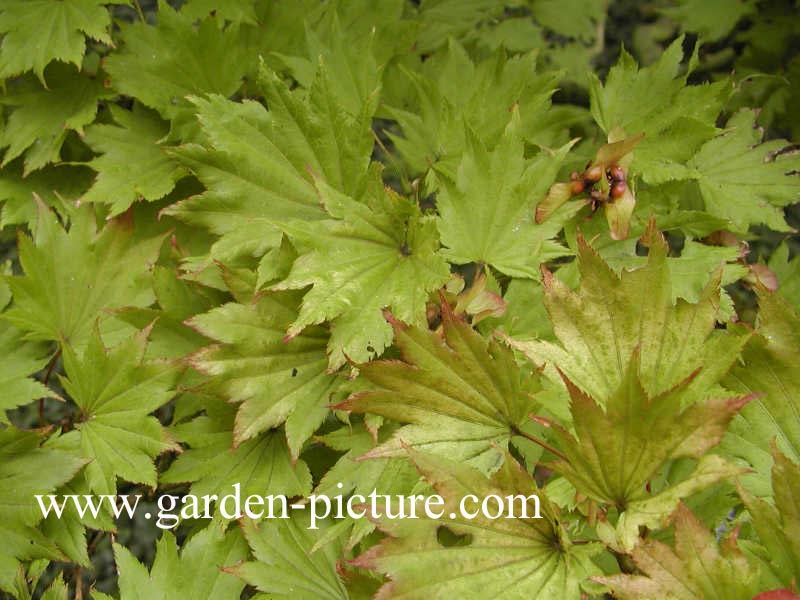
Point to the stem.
(545, 445)
(50, 366)
(138, 8)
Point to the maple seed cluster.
(615, 176)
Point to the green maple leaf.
(769, 367)
(744, 181)
(56, 186)
(463, 396)
(788, 274)
(21, 359)
(70, 277)
(258, 165)
(37, 32)
(480, 96)
(611, 314)
(115, 390)
(368, 257)
(510, 558)
(778, 525)
(675, 118)
(697, 567)
(396, 476)
(261, 465)
(276, 380)
(617, 450)
(161, 66)
(132, 165)
(198, 571)
(43, 117)
(27, 469)
(486, 213)
(286, 564)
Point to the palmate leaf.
(462, 396)
(601, 324)
(27, 469)
(514, 559)
(697, 567)
(258, 166)
(196, 572)
(131, 165)
(40, 31)
(261, 465)
(115, 391)
(370, 256)
(743, 180)
(21, 359)
(276, 380)
(286, 564)
(769, 367)
(778, 525)
(617, 450)
(43, 117)
(70, 277)
(160, 66)
(486, 214)
(788, 274)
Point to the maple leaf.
(21, 359)
(463, 396)
(286, 565)
(115, 391)
(276, 380)
(711, 20)
(462, 95)
(132, 165)
(788, 274)
(697, 567)
(27, 469)
(236, 11)
(618, 469)
(611, 314)
(196, 572)
(778, 525)
(43, 117)
(769, 367)
(40, 31)
(350, 476)
(160, 66)
(258, 165)
(71, 276)
(743, 180)
(508, 558)
(485, 214)
(56, 186)
(371, 255)
(261, 465)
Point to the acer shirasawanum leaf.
(132, 165)
(778, 525)
(611, 314)
(27, 469)
(486, 213)
(286, 564)
(697, 567)
(463, 396)
(258, 166)
(514, 559)
(37, 32)
(618, 448)
(70, 277)
(369, 256)
(21, 359)
(197, 571)
(769, 367)
(276, 380)
(115, 391)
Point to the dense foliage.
(455, 246)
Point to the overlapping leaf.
(462, 396)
